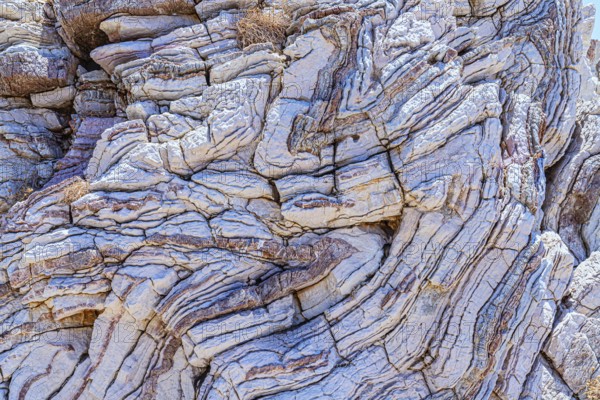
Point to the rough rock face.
(398, 202)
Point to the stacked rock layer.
(398, 200)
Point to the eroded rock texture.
(398, 202)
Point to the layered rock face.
(396, 200)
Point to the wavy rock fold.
(381, 200)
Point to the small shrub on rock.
(76, 190)
(263, 26)
(593, 389)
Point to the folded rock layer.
(393, 200)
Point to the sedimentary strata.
(394, 200)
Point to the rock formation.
(364, 199)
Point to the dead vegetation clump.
(24, 192)
(263, 26)
(76, 190)
(593, 389)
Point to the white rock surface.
(399, 202)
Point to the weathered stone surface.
(123, 28)
(96, 95)
(57, 98)
(80, 20)
(32, 70)
(399, 202)
(112, 55)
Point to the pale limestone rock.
(367, 191)
(80, 22)
(545, 383)
(57, 98)
(217, 33)
(143, 110)
(210, 8)
(574, 342)
(168, 74)
(34, 64)
(112, 55)
(96, 95)
(35, 69)
(114, 144)
(124, 28)
(400, 202)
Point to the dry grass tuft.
(593, 389)
(263, 26)
(24, 193)
(76, 190)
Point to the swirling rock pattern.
(398, 202)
